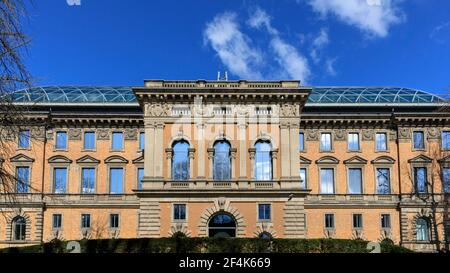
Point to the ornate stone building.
(227, 158)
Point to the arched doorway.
(222, 225)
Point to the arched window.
(19, 227)
(265, 235)
(222, 225)
(180, 161)
(422, 230)
(222, 161)
(263, 160)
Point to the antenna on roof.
(219, 78)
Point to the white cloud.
(441, 33)
(329, 67)
(373, 17)
(292, 64)
(232, 46)
(319, 43)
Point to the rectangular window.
(325, 142)
(57, 221)
(355, 181)
(23, 179)
(420, 179)
(87, 180)
(353, 142)
(116, 180)
(114, 221)
(357, 221)
(61, 141)
(383, 181)
(381, 141)
(179, 211)
(24, 139)
(385, 221)
(418, 140)
(329, 221)
(85, 221)
(89, 140)
(140, 175)
(303, 182)
(59, 180)
(301, 142)
(117, 141)
(446, 177)
(446, 140)
(327, 181)
(264, 212)
(141, 141)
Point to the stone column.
(201, 150)
(242, 151)
(158, 150)
(169, 155)
(294, 148)
(285, 151)
(252, 152)
(149, 148)
(233, 162)
(191, 162)
(211, 163)
(275, 164)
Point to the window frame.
(110, 167)
(19, 137)
(427, 178)
(174, 219)
(258, 216)
(82, 222)
(111, 221)
(301, 143)
(122, 143)
(306, 177)
(428, 230)
(271, 161)
(423, 142)
(229, 161)
(24, 225)
(60, 227)
(141, 143)
(331, 142)
(54, 168)
(386, 134)
(360, 215)
(84, 140)
(389, 221)
(447, 133)
(389, 168)
(86, 166)
(333, 217)
(320, 179)
(66, 144)
(16, 167)
(358, 142)
(357, 167)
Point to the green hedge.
(210, 245)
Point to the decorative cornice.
(59, 159)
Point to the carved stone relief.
(130, 134)
(367, 135)
(340, 135)
(74, 134)
(404, 133)
(312, 135)
(103, 134)
(158, 110)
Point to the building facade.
(227, 158)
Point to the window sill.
(88, 150)
(180, 221)
(60, 150)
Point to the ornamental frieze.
(404, 133)
(74, 134)
(103, 134)
(392, 136)
(288, 110)
(312, 135)
(158, 110)
(340, 135)
(367, 135)
(130, 134)
(38, 132)
(433, 133)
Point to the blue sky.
(321, 42)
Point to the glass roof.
(323, 95)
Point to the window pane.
(57, 221)
(23, 179)
(264, 211)
(222, 161)
(357, 221)
(60, 180)
(263, 161)
(383, 181)
(303, 182)
(116, 180)
(24, 139)
(446, 177)
(61, 140)
(325, 142)
(179, 212)
(85, 221)
(446, 140)
(422, 231)
(381, 142)
(302, 142)
(418, 140)
(180, 161)
(141, 141)
(89, 140)
(353, 142)
(385, 221)
(114, 221)
(420, 176)
(329, 221)
(140, 176)
(355, 181)
(88, 180)
(327, 181)
(117, 141)
(20, 226)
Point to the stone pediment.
(88, 159)
(420, 159)
(116, 159)
(328, 160)
(355, 160)
(383, 160)
(59, 159)
(304, 161)
(21, 158)
(443, 160)
(139, 160)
